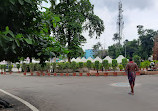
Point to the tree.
(89, 64)
(30, 37)
(124, 62)
(76, 16)
(137, 60)
(105, 64)
(99, 51)
(97, 65)
(132, 48)
(114, 64)
(146, 37)
(114, 52)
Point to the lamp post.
(125, 46)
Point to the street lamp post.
(125, 46)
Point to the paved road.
(83, 93)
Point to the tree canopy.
(24, 31)
(76, 16)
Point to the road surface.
(81, 93)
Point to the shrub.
(67, 66)
(31, 67)
(121, 67)
(80, 64)
(18, 66)
(114, 64)
(109, 65)
(137, 60)
(73, 66)
(97, 65)
(24, 67)
(4, 67)
(105, 64)
(85, 64)
(10, 67)
(38, 66)
(100, 66)
(124, 62)
(61, 66)
(142, 65)
(89, 64)
(48, 66)
(1, 66)
(146, 64)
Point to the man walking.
(131, 67)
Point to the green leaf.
(19, 35)
(12, 1)
(28, 41)
(21, 2)
(57, 19)
(8, 38)
(54, 25)
(39, 54)
(13, 46)
(17, 42)
(7, 28)
(28, 1)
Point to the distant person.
(131, 67)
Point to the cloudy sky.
(135, 12)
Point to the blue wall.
(89, 53)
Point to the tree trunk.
(69, 44)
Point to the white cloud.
(135, 13)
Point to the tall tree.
(76, 16)
(146, 37)
(113, 50)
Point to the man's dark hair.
(130, 59)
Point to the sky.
(135, 12)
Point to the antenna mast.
(120, 22)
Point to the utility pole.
(120, 22)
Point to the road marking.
(21, 100)
(123, 84)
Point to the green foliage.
(1, 66)
(24, 67)
(80, 64)
(109, 65)
(137, 60)
(121, 67)
(61, 66)
(85, 64)
(10, 67)
(114, 64)
(105, 64)
(18, 66)
(89, 64)
(100, 66)
(97, 65)
(114, 51)
(73, 65)
(31, 67)
(4, 67)
(124, 62)
(38, 66)
(76, 16)
(67, 65)
(146, 64)
(146, 37)
(47, 66)
(30, 37)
